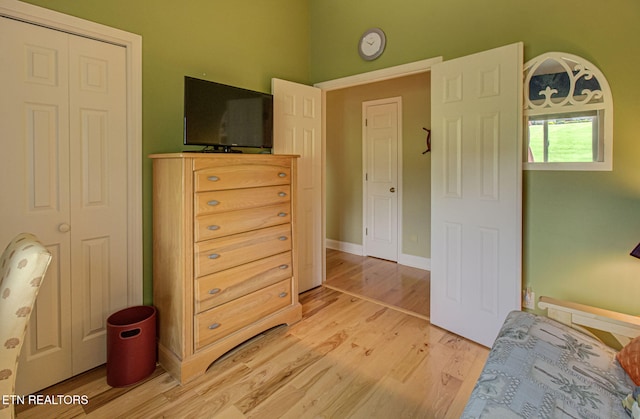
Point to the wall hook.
(428, 140)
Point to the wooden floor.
(388, 283)
(347, 358)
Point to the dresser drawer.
(221, 287)
(241, 176)
(218, 254)
(223, 320)
(226, 223)
(223, 201)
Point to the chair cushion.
(22, 268)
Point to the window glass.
(565, 138)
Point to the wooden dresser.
(224, 260)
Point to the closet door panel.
(34, 192)
(98, 193)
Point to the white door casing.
(382, 183)
(80, 190)
(297, 126)
(476, 192)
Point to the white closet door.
(98, 186)
(34, 193)
(63, 168)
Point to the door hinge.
(366, 231)
(366, 177)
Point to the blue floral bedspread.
(539, 368)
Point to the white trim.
(403, 259)
(353, 248)
(414, 261)
(399, 170)
(323, 186)
(587, 166)
(25, 12)
(380, 75)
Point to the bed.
(554, 367)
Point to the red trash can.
(131, 345)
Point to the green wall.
(240, 42)
(578, 226)
(344, 160)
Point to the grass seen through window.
(570, 140)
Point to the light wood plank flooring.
(347, 358)
(388, 283)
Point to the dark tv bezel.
(217, 146)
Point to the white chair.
(22, 268)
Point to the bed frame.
(622, 327)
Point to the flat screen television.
(220, 117)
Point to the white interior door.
(381, 130)
(476, 192)
(297, 126)
(63, 119)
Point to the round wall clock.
(372, 43)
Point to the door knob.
(64, 228)
(392, 190)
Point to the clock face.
(372, 44)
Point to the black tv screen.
(225, 116)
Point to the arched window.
(568, 111)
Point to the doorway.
(345, 175)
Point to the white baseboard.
(403, 259)
(415, 261)
(355, 249)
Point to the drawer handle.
(282, 214)
(285, 266)
(214, 228)
(214, 326)
(282, 194)
(282, 238)
(214, 291)
(214, 256)
(213, 203)
(281, 174)
(213, 178)
(283, 294)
